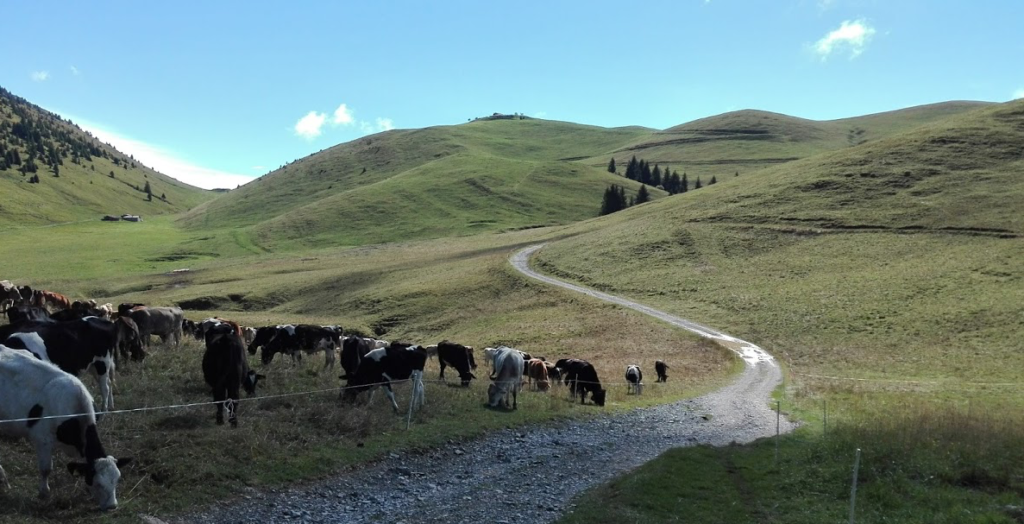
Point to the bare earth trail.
(532, 474)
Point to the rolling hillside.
(900, 256)
(426, 183)
(79, 178)
(747, 140)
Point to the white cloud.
(309, 126)
(1018, 94)
(343, 116)
(540, 114)
(385, 124)
(852, 35)
(165, 161)
(75, 71)
(40, 76)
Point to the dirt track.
(492, 480)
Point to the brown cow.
(48, 299)
(537, 373)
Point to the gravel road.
(491, 480)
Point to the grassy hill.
(79, 178)
(488, 175)
(748, 140)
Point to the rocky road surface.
(492, 479)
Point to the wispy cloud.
(40, 76)
(381, 124)
(75, 71)
(825, 5)
(258, 168)
(343, 116)
(852, 36)
(385, 124)
(166, 161)
(540, 114)
(1018, 94)
(311, 125)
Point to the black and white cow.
(75, 346)
(382, 365)
(508, 377)
(165, 322)
(634, 379)
(661, 368)
(226, 369)
(581, 377)
(25, 313)
(459, 357)
(353, 350)
(34, 390)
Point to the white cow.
(634, 379)
(36, 390)
(508, 371)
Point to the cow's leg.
(44, 457)
(515, 396)
(440, 362)
(391, 396)
(4, 485)
(104, 370)
(219, 397)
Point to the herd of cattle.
(50, 340)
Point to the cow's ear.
(123, 461)
(78, 468)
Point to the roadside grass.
(460, 289)
(922, 461)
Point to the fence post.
(853, 487)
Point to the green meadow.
(881, 268)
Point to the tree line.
(614, 198)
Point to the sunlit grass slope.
(747, 140)
(900, 257)
(468, 171)
(84, 190)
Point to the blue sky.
(216, 93)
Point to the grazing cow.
(49, 299)
(284, 341)
(263, 336)
(431, 350)
(77, 345)
(353, 350)
(189, 327)
(107, 310)
(661, 368)
(382, 365)
(125, 308)
(634, 379)
(26, 313)
(581, 377)
(33, 389)
(537, 374)
(248, 335)
(226, 369)
(554, 374)
(164, 322)
(508, 371)
(459, 357)
(129, 342)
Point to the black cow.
(382, 365)
(25, 313)
(124, 309)
(225, 369)
(74, 346)
(77, 313)
(581, 377)
(457, 356)
(661, 368)
(353, 349)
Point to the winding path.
(527, 476)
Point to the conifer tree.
(642, 195)
(645, 172)
(656, 176)
(148, 191)
(685, 186)
(696, 185)
(611, 165)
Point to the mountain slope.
(450, 180)
(79, 178)
(747, 140)
(898, 257)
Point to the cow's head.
(466, 377)
(250, 381)
(494, 394)
(598, 397)
(101, 476)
